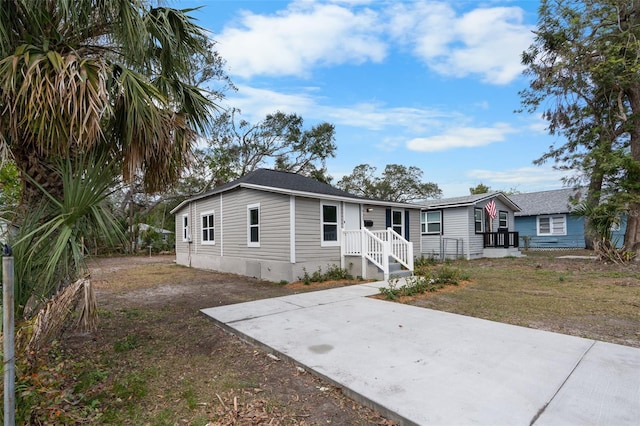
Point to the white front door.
(351, 217)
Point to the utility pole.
(8, 323)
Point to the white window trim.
(506, 213)
(249, 208)
(202, 241)
(551, 233)
(426, 222)
(481, 210)
(186, 234)
(324, 243)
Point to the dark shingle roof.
(283, 180)
(275, 180)
(547, 202)
(468, 200)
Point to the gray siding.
(414, 231)
(377, 215)
(206, 205)
(476, 241)
(456, 225)
(274, 224)
(308, 239)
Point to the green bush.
(333, 273)
(431, 280)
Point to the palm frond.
(50, 245)
(50, 97)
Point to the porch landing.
(495, 252)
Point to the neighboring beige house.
(275, 225)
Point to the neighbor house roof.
(547, 202)
(289, 183)
(469, 200)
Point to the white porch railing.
(378, 247)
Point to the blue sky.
(432, 84)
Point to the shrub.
(333, 273)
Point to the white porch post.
(363, 253)
(385, 256)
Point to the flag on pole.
(491, 209)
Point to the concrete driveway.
(425, 367)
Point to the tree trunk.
(632, 233)
(595, 189)
(36, 170)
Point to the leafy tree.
(480, 188)
(9, 189)
(584, 64)
(397, 183)
(279, 141)
(115, 77)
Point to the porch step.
(396, 271)
(400, 274)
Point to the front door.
(397, 221)
(351, 217)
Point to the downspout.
(292, 229)
(340, 235)
(221, 229)
(468, 242)
(363, 253)
(189, 228)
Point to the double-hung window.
(478, 218)
(329, 226)
(552, 225)
(431, 222)
(253, 225)
(186, 236)
(208, 233)
(503, 220)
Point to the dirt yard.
(159, 361)
(156, 360)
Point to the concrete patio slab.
(420, 366)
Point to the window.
(253, 225)
(431, 222)
(477, 217)
(396, 221)
(552, 225)
(186, 236)
(503, 220)
(208, 228)
(329, 230)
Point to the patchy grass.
(572, 296)
(156, 360)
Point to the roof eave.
(296, 193)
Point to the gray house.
(461, 227)
(275, 225)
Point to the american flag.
(491, 209)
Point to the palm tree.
(112, 77)
(85, 86)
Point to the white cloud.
(461, 137)
(304, 35)
(484, 41)
(256, 103)
(528, 178)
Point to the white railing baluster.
(377, 247)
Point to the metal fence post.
(8, 345)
